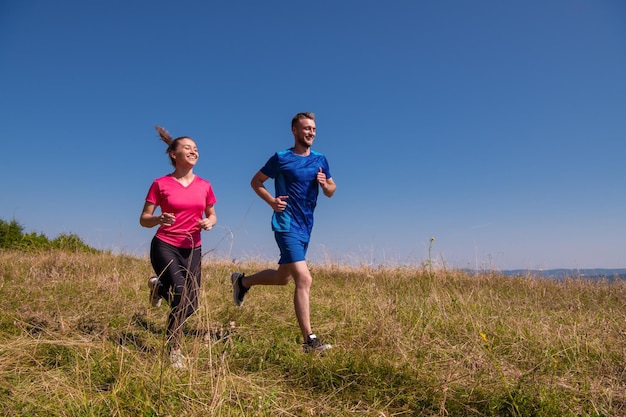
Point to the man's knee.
(303, 278)
(304, 281)
(298, 271)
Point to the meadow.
(79, 338)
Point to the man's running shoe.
(239, 291)
(155, 298)
(313, 344)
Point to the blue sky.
(495, 127)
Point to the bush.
(12, 236)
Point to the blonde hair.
(299, 116)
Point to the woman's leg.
(180, 272)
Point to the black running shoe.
(313, 344)
(239, 291)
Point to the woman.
(186, 203)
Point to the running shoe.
(177, 359)
(155, 298)
(239, 291)
(313, 344)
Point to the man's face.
(304, 132)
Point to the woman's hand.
(166, 219)
(206, 224)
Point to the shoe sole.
(153, 302)
(234, 279)
(319, 349)
(178, 362)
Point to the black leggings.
(180, 273)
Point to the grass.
(78, 338)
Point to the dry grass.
(77, 338)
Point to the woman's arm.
(149, 219)
(211, 218)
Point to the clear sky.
(496, 127)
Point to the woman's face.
(186, 153)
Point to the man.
(298, 174)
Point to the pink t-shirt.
(188, 205)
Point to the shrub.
(12, 236)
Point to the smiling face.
(184, 152)
(304, 132)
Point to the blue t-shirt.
(296, 176)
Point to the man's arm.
(277, 203)
(327, 184)
(330, 188)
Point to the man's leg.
(242, 283)
(267, 277)
(299, 272)
(301, 297)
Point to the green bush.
(12, 236)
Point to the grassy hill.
(78, 338)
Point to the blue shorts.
(292, 247)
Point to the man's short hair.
(299, 116)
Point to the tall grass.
(78, 338)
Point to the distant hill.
(599, 273)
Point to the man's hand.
(280, 203)
(321, 178)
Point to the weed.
(78, 338)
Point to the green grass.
(78, 338)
